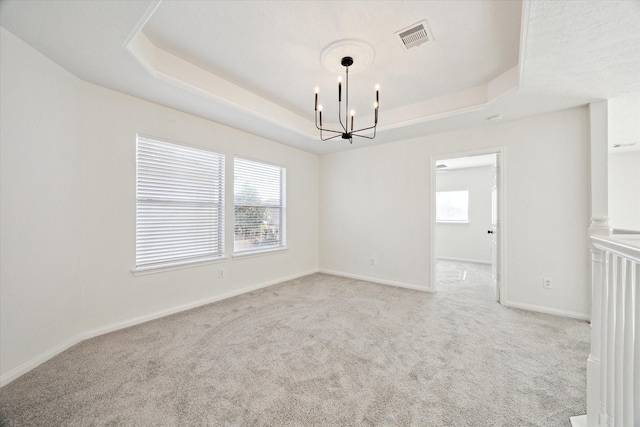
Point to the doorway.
(467, 219)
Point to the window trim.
(143, 271)
(257, 253)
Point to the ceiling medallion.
(359, 50)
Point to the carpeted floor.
(321, 350)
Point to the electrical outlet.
(547, 283)
(221, 273)
(373, 261)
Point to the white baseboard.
(41, 358)
(377, 280)
(38, 360)
(475, 261)
(547, 310)
(158, 314)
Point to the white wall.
(68, 210)
(375, 202)
(623, 123)
(467, 241)
(111, 293)
(624, 190)
(40, 204)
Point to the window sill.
(161, 269)
(251, 254)
(452, 222)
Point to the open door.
(495, 228)
(494, 232)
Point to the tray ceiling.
(253, 65)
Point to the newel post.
(598, 168)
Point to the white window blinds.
(179, 204)
(259, 206)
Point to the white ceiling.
(277, 39)
(253, 65)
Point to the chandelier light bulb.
(319, 107)
(377, 87)
(317, 89)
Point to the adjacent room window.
(179, 204)
(452, 206)
(259, 206)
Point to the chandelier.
(347, 132)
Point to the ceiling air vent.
(415, 35)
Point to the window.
(259, 206)
(452, 206)
(179, 204)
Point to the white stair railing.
(613, 368)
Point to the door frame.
(502, 223)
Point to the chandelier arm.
(360, 130)
(364, 136)
(324, 129)
(329, 130)
(327, 139)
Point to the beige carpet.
(321, 350)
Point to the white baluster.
(627, 363)
(636, 348)
(604, 326)
(594, 363)
(598, 278)
(611, 334)
(619, 345)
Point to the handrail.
(625, 245)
